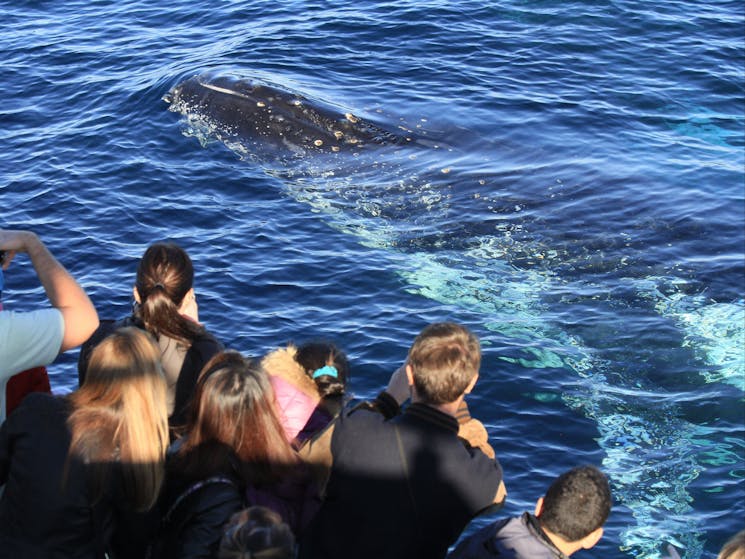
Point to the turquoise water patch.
(714, 331)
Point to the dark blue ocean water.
(583, 212)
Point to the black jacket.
(48, 508)
(194, 516)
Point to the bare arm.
(63, 292)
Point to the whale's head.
(252, 110)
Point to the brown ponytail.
(165, 275)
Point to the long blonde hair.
(119, 416)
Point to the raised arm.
(63, 292)
(398, 385)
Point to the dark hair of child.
(258, 533)
(327, 365)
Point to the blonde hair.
(119, 415)
(444, 359)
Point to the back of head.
(734, 548)
(326, 365)
(577, 503)
(444, 358)
(233, 409)
(119, 414)
(165, 275)
(258, 533)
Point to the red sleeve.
(32, 380)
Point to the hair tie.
(329, 370)
(163, 287)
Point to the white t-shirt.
(27, 339)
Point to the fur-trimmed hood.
(281, 363)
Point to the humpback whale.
(453, 239)
(273, 117)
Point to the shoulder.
(105, 327)
(207, 339)
(210, 501)
(364, 427)
(523, 536)
(218, 492)
(201, 350)
(481, 544)
(45, 401)
(44, 405)
(477, 545)
(39, 410)
(361, 416)
(193, 521)
(377, 411)
(204, 346)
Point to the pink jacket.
(295, 392)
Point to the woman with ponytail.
(166, 307)
(76, 466)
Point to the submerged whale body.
(255, 111)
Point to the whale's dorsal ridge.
(263, 113)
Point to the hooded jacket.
(520, 537)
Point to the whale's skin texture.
(250, 110)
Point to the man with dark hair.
(405, 484)
(569, 518)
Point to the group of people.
(173, 446)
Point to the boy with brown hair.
(403, 484)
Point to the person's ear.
(539, 507)
(592, 538)
(188, 298)
(471, 384)
(136, 295)
(410, 375)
